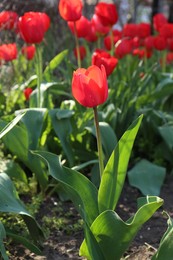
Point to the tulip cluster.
(31, 28)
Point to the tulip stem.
(112, 41)
(39, 74)
(77, 46)
(99, 142)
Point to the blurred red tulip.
(82, 27)
(170, 44)
(107, 41)
(82, 52)
(144, 30)
(158, 21)
(27, 92)
(8, 52)
(100, 29)
(149, 42)
(92, 34)
(160, 43)
(166, 30)
(70, 10)
(141, 53)
(123, 47)
(89, 86)
(28, 51)
(33, 26)
(130, 30)
(8, 20)
(101, 57)
(107, 13)
(169, 58)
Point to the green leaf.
(80, 190)
(114, 235)
(16, 140)
(28, 244)
(165, 250)
(10, 125)
(54, 63)
(62, 127)
(166, 132)
(14, 171)
(33, 120)
(2, 237)
(115, 171)
(147, 177)
(92, 245)
(10, 202)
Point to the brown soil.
(62, 244)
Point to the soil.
(62, 244)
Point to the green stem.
(77, 46)
(39, 73)
(112, 41)
(164, 61)
(99, 142)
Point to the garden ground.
(65, 235)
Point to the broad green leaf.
(54, 63)
(115, 171)
(22, 240)
(92, 245)
(10, 202)
(62, 127)
(10, 125)
(2, 237)
(114, 235)
(108, 136)
(147, 177)
(20, 139)
(166, 132)
(80, 190)
(33, 120)
(14, 171)
(16, 140)
(165, 250)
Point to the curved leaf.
(114, 235)
(115, 171)
(10, 202)
(82, 192)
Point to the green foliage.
(107, 236)
(147, 177)
(165, 250)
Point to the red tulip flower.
(89, 86)
(160, 43)
(101, 57)
(166, 30)
(100, 29)
(130, 30)
(8, 52)
(82, 52)
(169, 58)
(124, 47)
(82, 27)
(144, 30)
(28, 51)
(159, 20)
(107, 13)
(33, 26)
(149, 42)
(70, 10)
(92, 35)
(27, 92)
(8, 20)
